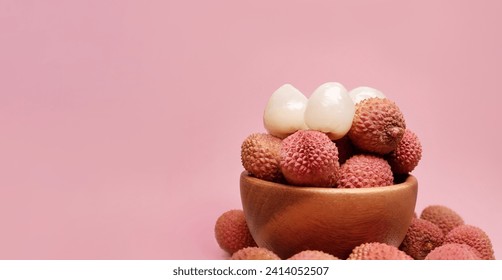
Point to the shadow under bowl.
(289, 219)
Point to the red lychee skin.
(474, 237)
(421, 238)
(377, 251)
(260, 156)
(232, 233)
(445, 218)
(254, 253)
(313, 255)
(365, 171)
(378, 126)
(309, 158)
(345, 149)
(407, 154)
(453, 251)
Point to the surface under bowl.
(289, 219)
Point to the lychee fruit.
(474, 237)
(260, 156)
(232, 233)
(445, 218)
(254, 253)
(453, 251)
(345, 149)
(309, 158)
(365, 171)
(313, 255)
(378, 126)
(407, 154)
(377, 251)
(421, 238)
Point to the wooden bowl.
(288, 219)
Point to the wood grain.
(289, 219)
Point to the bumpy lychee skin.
(378, 126)
(313, 255)
(232, 233)
(407, 154)
(421, 238)
(377, 251)
(453, 251)
(445, 218)
(474, 237)
(260, 156)
(309, 158)
(254, 253)
(365, 171)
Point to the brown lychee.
(445, 218)
(378, 126)
(453, 251)
(407, 154)
(377, 251)
(254, 253)
(313, 255)
(260, 156)
(232, 232)
(474, 237)
(421, 238)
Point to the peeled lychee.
(445, 218)
(254, 253)
(421, 238)
(232, 233)
(407, 154)
(313, 255)
(260, 156)
(474, 237)
(309, 158)
(453, 251)
(377, 251)
(378, 126)
(365, 171)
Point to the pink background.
(121, 121)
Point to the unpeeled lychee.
(421, 238)
(378, 126)
(254, 253)
(474, 237)
(407, 154)
(377, 251)
(309, 158)
(232, 233)
(365, 171)
(453, 251)
(445, 218)
(260, 156)
(313, 255)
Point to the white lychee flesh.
(360, 93)
(285, 111)
(330, 110)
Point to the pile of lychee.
(335, 138)
(439, 234)
(342, 139)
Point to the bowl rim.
(409, 180)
